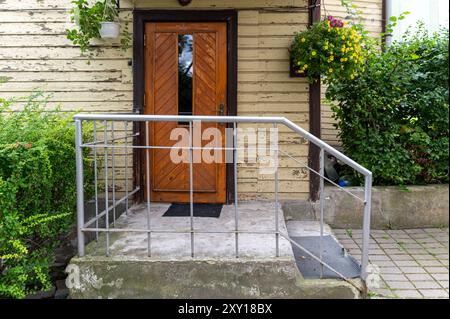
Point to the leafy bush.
(328, 48)
(393, 118)
(37, 192)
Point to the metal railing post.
(275, 164)
(80, 190)
(191, 188)
(147, 179)
(366, 225)
(95, 180)
(321, 194)
(236, 216)
(105, 140)
(126, 167)
(113, 172)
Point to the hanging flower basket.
(328, 49)
(293, 70)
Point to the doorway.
(184, 62)
(185, 74)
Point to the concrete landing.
(256, 218)
(215, 272)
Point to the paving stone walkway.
(412, 263)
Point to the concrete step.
(214, 272)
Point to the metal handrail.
(324, 147)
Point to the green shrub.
(37, 192)
(393, 118)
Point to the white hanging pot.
(109, 30)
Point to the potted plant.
(97, 21)
(329, 48)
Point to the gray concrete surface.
(142, 277)
(215, 272)
(252, 217)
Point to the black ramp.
(200, 210)
(333, 255)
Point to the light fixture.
(184, 2)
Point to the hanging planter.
(109, 30)
(329, 50)
(97, 21)
(294, 71)
(109, 26)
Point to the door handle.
(221, 109)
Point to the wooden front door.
(185, 74)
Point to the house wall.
(34, 53)
(372, 20)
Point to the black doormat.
(333, 255)
(200, 210)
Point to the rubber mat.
(333, 255)
(200, 210)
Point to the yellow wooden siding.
(35, 53)
(372, 19)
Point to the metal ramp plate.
(333, 255)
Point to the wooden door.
(185, 73)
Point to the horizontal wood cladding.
(156, 4)
(35, 54)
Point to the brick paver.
(413, 263)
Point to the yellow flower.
(313, 53)
(303, 39)
(330, 70)
(343, 37)
(352, 76)
(325, 47)
(331, 58)
(305, 66)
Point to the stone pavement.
(413, 263)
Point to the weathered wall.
(392, 208)
(34, 53)
(372, 20)
(115, 277)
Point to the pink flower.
(334, 23)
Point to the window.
(185, 74)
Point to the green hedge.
(393, 119)
(37, 192)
